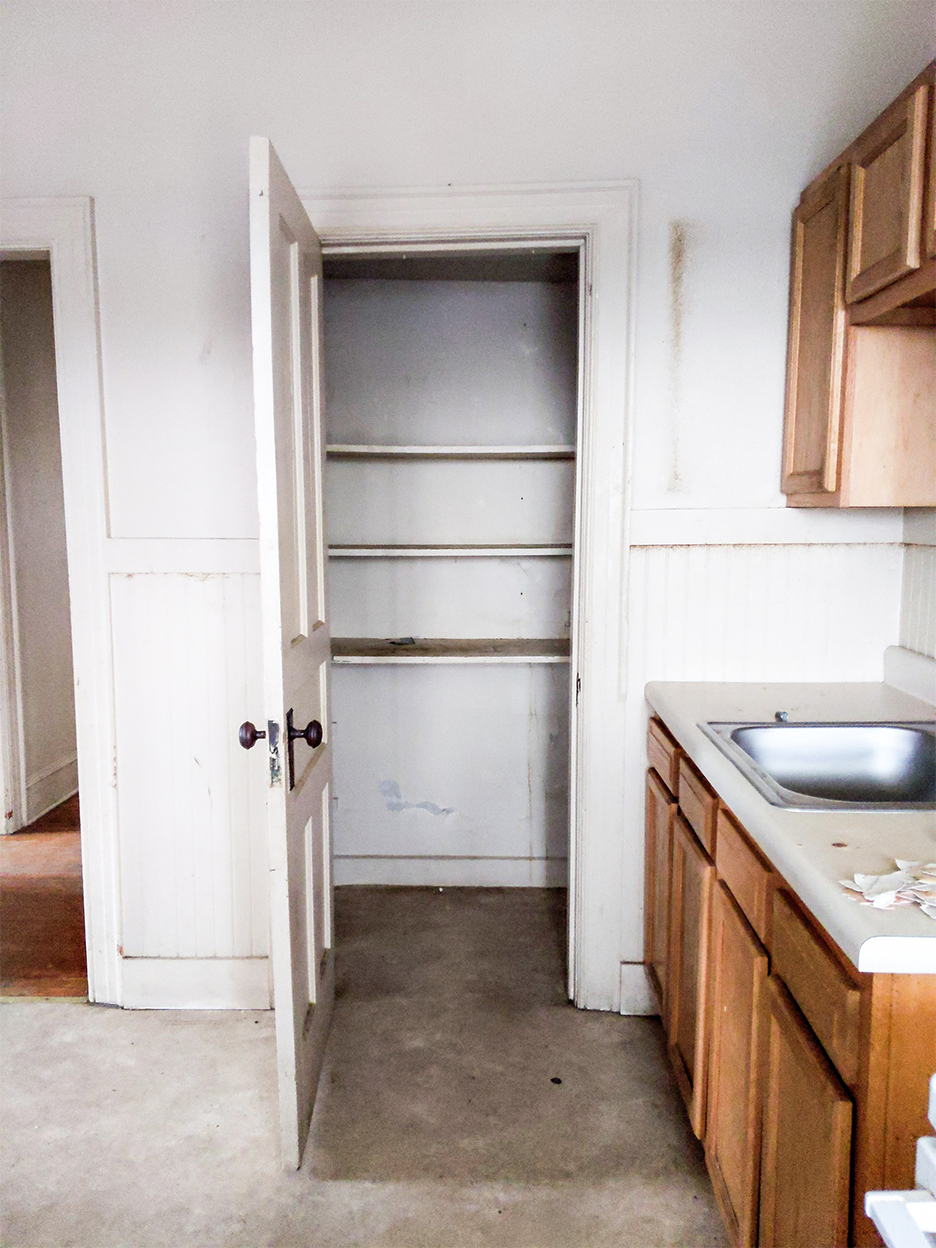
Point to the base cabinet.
(806, 1080)
(736, 1059)
(806, 1154)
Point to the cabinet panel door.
(816, 343)
(738, 1032)
(693, 875)
(806, 1152)
(661, 811)
(887, 197)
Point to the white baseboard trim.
(454, 872)
(49, 787)
(196, 984)
(910, 673)
(636, 994)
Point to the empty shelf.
(448, 552)
(370, 650)
(347, 451)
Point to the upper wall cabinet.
(860, 420)
(887, 197)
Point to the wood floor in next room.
(42, 936)
(464, 1104)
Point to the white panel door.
(286, 306)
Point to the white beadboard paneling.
(192, 848)
(451, 762)
(745, 613)
(454, 872)
(503, 362)
(450, 597)
(196, 983)
(918, 600)
(449, 501)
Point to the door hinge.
(578, 688)
(273, 741)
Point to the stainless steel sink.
(834, 766)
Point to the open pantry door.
(286, 309)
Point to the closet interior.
(452, 399)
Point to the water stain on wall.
(680, 238)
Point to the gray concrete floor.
(438, 1122)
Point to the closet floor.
(438, 1124)
(42, 936)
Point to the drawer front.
(698, 803)
(748, 876)
(821, 988)
(663, 754)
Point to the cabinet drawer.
(748, 876)
(821, 987)
(663, 754)
(698, 803)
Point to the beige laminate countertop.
(801, 844)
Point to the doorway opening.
(452, 412)
(42, 930)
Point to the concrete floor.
(438, 1121)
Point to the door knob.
(311, 734)
(248, 735)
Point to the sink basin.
(834, 766)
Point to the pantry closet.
(452, 399)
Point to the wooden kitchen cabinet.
(860, 412)
(816, 345)
(806, 1152)
(693, 876)
(661, 813)
(808, 1086)
(887, 166)
(738, 1031)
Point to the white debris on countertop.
(913, 883)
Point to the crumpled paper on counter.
(913, 883)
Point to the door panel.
(286, 291)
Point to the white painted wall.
(918, 596)
(723, 111)
(36, 516)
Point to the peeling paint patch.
(679, 239)
(394, 800)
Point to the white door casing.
(63, 230)
(286, 302)
(599, 221)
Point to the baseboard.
(454, 872)
(49, 787)
(196, 984)
(637, 997)
(910, 673)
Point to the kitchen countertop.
(801, 844)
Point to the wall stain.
(680, 237)
(394, 800)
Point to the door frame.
(599, 220)
(62, 230)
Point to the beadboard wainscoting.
(193, 859)
(918, 597)
(785, 612)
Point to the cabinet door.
(929, 223)
(816, 343)
(887, 197)
(805, 1158)
(661, 811)
(738, 1032)
(693, 875)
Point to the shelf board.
(371, 650)
(347, 451)
(449, 552)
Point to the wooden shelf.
(373, 650)
(347, 451)
(449, 552)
